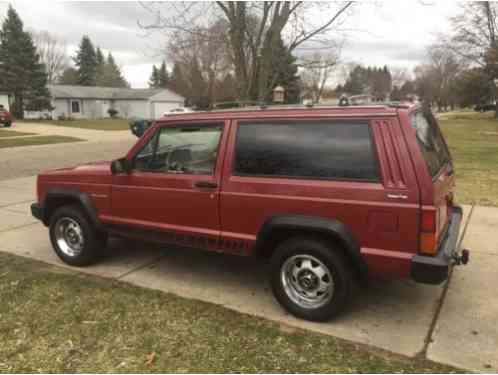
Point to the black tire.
(330, 257)
(93, 241)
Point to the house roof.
(94, 92)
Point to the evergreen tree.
(110, 75)
(370, 80)
(198, 86)
(69, 77)
(100, 69)
(21, 72)
(99, 57)
(284, 73)
(396, 94)
(226, 89)
(356, 82)
(162, 77)
(86, 62)
(178, 82)
(154, 78)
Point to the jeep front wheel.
(310, 278)
(74, 238)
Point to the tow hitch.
(462, 258)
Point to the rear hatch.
(439, 164)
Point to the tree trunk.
(18, 107)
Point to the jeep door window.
(181, 149)
(430, 141)
(314, 150)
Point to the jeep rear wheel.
(310, 278)
(73, 237)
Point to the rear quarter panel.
(386, 229)
(433, 192)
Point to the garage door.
(158, 108)
(4, 100)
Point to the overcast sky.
(394, 33)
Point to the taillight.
(428, 221)
(428, 239)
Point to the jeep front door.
(172, 190)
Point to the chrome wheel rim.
(307, 281)
(69, 236)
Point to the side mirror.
(120, 166)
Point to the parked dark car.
(139, 126)
(485, 107)
(327, 194)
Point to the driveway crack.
(428, 338)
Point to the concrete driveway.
(27, 161)
(456, 326)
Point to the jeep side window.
(430, 141)
(314, 150)
(181, 149)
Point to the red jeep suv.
(5, 117)
(328, 194)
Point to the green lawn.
(41, 140)
(473, 141)
(13, 133)
(102, 124)
(53, 321)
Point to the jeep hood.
(95, 172)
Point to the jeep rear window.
(430, 141)
(314, 150)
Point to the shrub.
(112, 112)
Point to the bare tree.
(399, 75)
(210, 53)
(435, 79)
(316, 72)
(254, 30)
(475, 38)
(475, 31)
(53, 53)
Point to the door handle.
(397, 196)
(206, 184)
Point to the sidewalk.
(396, 316)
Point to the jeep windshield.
(430, 141)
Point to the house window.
(75, 107)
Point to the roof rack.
(260, 105)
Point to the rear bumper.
(435, 269)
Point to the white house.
(94, 102)
(4, 100)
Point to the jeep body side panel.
(92, 181)
(55, 197)
(393, 249)
(328, 227)
(384, 227)
(180, 208)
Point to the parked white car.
(178, 110)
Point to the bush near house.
(112, 112)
